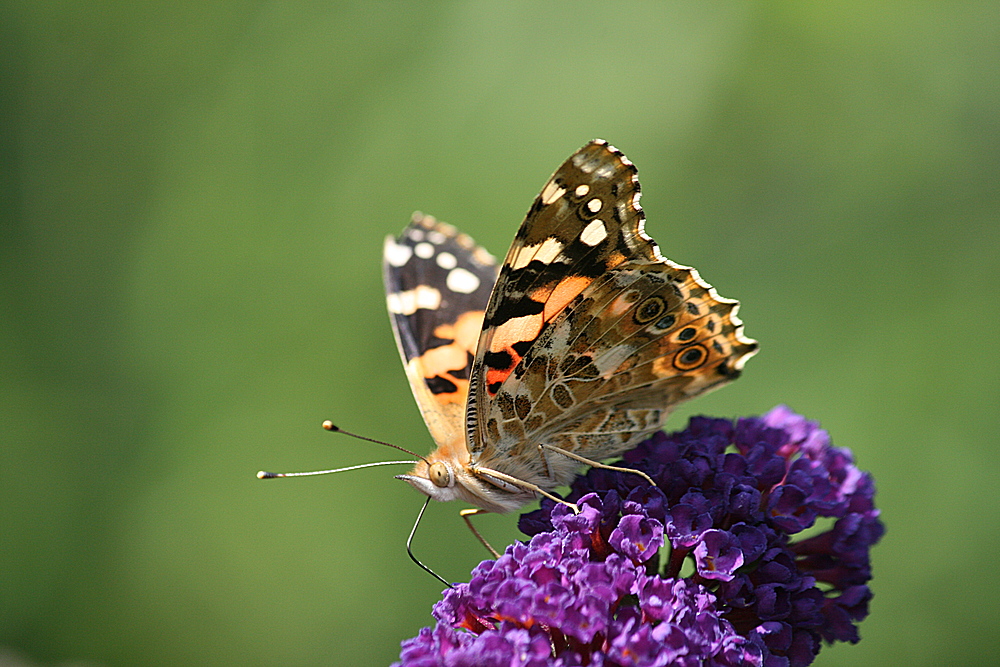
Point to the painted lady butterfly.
(574, 351)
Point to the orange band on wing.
(564, 292)
(465, 330)
(445, 368)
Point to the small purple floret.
(605, 588)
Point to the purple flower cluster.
(700, 570)
(571, 596)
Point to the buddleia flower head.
(709, 567)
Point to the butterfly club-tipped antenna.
(333, 428)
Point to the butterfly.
(574, 350)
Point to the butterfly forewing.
(437, 283)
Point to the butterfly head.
(446, 479)
(436, 477)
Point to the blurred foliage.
(194, 197)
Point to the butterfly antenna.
(333, 428)
(409, 544)
(263, 474)
(330, 426)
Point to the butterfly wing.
(437, 284)
(591, 336)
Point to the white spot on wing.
(594, 233)
(604, 171)
(397, 254)
(435, 237)
(594, 205)
(428, 297)
(399, 303)
(582, 190)
(623, 211)
(407, 303)
(545, 252)
(446, 260)
(582, 163)
(523, 257)
(424, 250)
(462, 281)
(549, 250)
(552, 192)
(416, 234)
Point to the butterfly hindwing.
(607, 370)
(437, 282)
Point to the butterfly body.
(574, 350)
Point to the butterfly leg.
(467, 516)
(502, 477)
(409, 546)
(596, 464)
(545, 461)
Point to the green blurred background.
(194, 198)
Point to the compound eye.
(440, 474)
